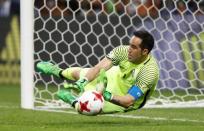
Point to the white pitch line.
(129, 116)
(115, 115)
(154, 118)
(6, 106)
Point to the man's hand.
(78, 85)
(107, 96)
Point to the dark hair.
(147, 39)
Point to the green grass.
(13, 118)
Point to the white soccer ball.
(90, 103)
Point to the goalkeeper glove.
(107, 96)
(78, 85)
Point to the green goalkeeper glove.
(82, 82)
(78, 85)
(107, 96)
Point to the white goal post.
(27, 51)
(80, 33)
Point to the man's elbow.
(128, 104)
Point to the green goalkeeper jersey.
(124, 74)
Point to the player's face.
(135, 52)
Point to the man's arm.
(124, 101)
(105, 64)
(134, 93)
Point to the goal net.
(80, 32)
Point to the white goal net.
(81, 32)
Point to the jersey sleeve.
(118, 54)
(147, 78)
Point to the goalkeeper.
(132, 75)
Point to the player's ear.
(145, 51)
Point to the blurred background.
(9, 41)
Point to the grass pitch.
(13, 118)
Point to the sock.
(60, 74)
(74, 104)
(67, 73)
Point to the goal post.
(79, 33)
(27, 51)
